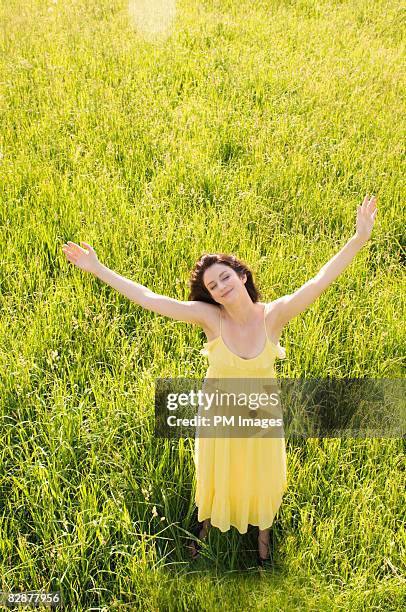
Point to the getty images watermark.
(270, 407)
(208, 401)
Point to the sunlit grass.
(253, 128)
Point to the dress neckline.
(267, 339)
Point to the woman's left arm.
(289, 306)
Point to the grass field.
(252, 128)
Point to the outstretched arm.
(188, 311)
(289, 306)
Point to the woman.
(247, 483)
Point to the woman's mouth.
(229, 291)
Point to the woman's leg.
(205, 529)
(263, 543)
(193, 546)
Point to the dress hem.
(204, 518)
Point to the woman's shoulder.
(273, 306)
(272, 320)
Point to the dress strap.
(221, 318)
(266, 333)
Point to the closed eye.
(228, 276)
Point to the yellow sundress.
(240, 481)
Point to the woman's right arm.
(195, 312)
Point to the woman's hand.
(82, 258)
(366, 218)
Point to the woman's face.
(223, 283)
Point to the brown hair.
(198, 290)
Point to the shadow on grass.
(228, 553)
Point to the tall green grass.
(254, 128)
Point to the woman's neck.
(242, 312)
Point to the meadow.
(252, 128)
